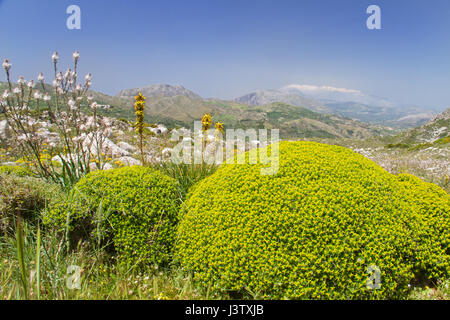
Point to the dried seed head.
(6, 65)
(55, 57)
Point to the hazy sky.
(227, 48)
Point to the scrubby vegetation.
(329, 224)
(16, 170)
(317, 224)
(135, 208)
(22, 196)
(313, 229)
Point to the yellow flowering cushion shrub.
(330, 224)
(16, 170)
(135, 207)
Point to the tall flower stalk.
(139, 107)
(206, 124)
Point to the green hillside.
(293, 122)
(181, 111)
(434, 132)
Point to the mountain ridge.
(162, 89)
(344, 102)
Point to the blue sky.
(227, 48)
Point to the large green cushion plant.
(134, 207)
(320, 227)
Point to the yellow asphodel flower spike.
(139, 107)
(139, 97)
(219, 126)
(206, 122)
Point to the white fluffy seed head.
(6, 65)
(55, 57)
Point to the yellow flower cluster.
(16, 170)
(206, 122)
(219, 127)
(312, 230)
(139, 107)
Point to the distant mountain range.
(160, 90)
(434, 130)
(263, 97)
(349, 103)
(327, 94)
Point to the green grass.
(47, 266)
(43, 274)
(186, 174)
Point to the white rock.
(184, 132)
(126, 146)
(107, 146)
(107, 166)
(162, 129)
(129, 161)
(5, 130)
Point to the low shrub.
(24, 196)
(442, 140)
(134, 207)
(16, 170)
(323, 227)
(397, 145)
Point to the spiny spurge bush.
(134, 207)
(320, 228)
(24, 196)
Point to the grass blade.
(20, 256)
(38, 263)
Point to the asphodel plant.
(139, 107)
(26, 105)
